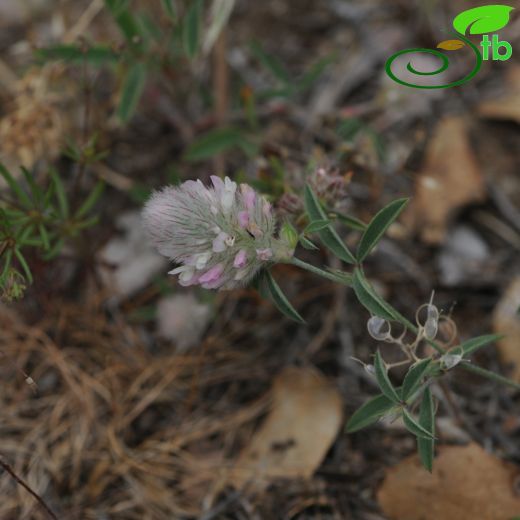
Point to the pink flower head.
(220, 236)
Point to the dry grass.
(111, 431)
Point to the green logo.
(479, 20)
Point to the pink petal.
(249, 196)
(243, 219)
(212, 275)
(218, 184)
(240, 259)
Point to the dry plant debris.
(32, 128)
(467, 484)
(506, 321)
(304, 419)
(449, 180)
(506, 106)
(109, 429)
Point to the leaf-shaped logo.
(481, 20)
(451, 45)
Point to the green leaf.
(413, 378)
(191, 28)
(7, 258)
(36, 192)
(314, 73)
(116, 7)
(369, 413)
(124, 19)
(272, 64)
(279, 299)
(351, 222)
(44, 236)
(55, 250)
(414, 427)
(132, 91)
(328, 235)
(96, 55)
(427, 421)
(91, 199)
(377, 227)
(24, 265)
(484, 19)
(15, 187)
(370, 299)
(169, 8)
(469, 347)
(307, 244)
(59, 188)
(150, 30)
(316, 225)
(384, 381)
(213, 143)
(25, 233)
(348, 128)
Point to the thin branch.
(8, 469)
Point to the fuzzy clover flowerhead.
(221, 235)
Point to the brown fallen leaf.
(506, 106)
(451, 45)
(449, 180)
(506, 321)
(467, 484)
(304, 419)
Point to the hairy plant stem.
(342, 277)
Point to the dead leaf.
(449, 180)
(467, 483)
(303, 422)
(506, 321)
(451, 45)
(506, 106)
